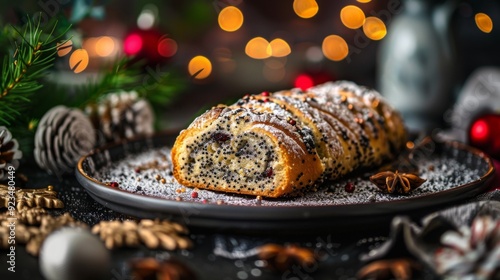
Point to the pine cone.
(62, 137)
(122, 116)
(9, 153)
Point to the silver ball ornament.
(74, 253)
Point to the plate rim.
(115, 197)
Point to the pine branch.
(118, 77)
(33, 56)
(126, 75)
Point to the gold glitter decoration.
(29, 198)
(152, 233)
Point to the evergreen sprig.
(126, 74)
(118, 77)
(34, 54)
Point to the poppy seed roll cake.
(272, 144)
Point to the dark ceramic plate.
(278, 215)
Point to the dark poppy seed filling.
(235, 162)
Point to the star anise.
(151, 268)
(283, 257)
(399, 269)
(153, 233)
(395, 182)
(43, 197)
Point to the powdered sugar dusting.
(150, 173)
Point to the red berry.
(113, 184)
(292, 122)
(265, 93)
(204, 201)
(349, 187)
(221, 137)
(137, 170)
(269, 172)
(194, 194)
(266, 99)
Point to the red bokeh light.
(484, 133)
(480, 132)
(303, 81)
(167, 47)
(132, 44)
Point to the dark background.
(193, 24)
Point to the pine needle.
(33, 56)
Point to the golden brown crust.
(275, 144)
(298, 167)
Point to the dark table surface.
(216, 254)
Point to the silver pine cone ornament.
(122, 116)
(62, 137)
(9, 153)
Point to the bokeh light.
(484, 22)
(225, 62)
(303, 81)
(314, 54)
(335, 48)
(167, 47)
(200, 66)
(148, 17)
(105, 46)
(305, 8)
(480, 131)
(230, 19)
(146, 20)
(352, 17)
(258, 48)
(64, 48)
(79, 60)
(364, 1)
(279, 48)
(273, 72)
(132, 44)
(374, 28)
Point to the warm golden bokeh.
(305, 8)
(230, 19)
(374, 28)
(364, 1)
(104, 46)
(335, 48)
(79, 60)
(88, 44)
(279, 48)
(200, 66)
(352, 17)
(484, 22)
(64, 48)
(258, 48)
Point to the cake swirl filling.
(232, 161)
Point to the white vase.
(416, 63)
